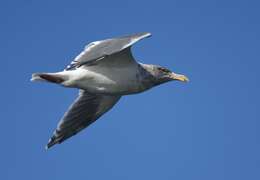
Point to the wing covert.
(100, 49)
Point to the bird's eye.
(164, 70)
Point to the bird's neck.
(146, 76)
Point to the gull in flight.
(103, 72)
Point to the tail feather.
(49, 77)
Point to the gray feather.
(101, 49)
(86, 109)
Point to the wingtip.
(51, 143)
(48, 146)
(146, 34)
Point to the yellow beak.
(179, 77)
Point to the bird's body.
(108, 80)
(104, 71)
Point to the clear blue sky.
(206, 129)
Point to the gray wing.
(86, 109)
(101, 49)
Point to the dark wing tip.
(52, 142)
(58, 138)
(55, 139)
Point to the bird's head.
(163, 75)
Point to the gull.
(103, 72)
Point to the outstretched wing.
(86, 109)
(101, 49)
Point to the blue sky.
(206, 129)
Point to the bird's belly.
(115, 83)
